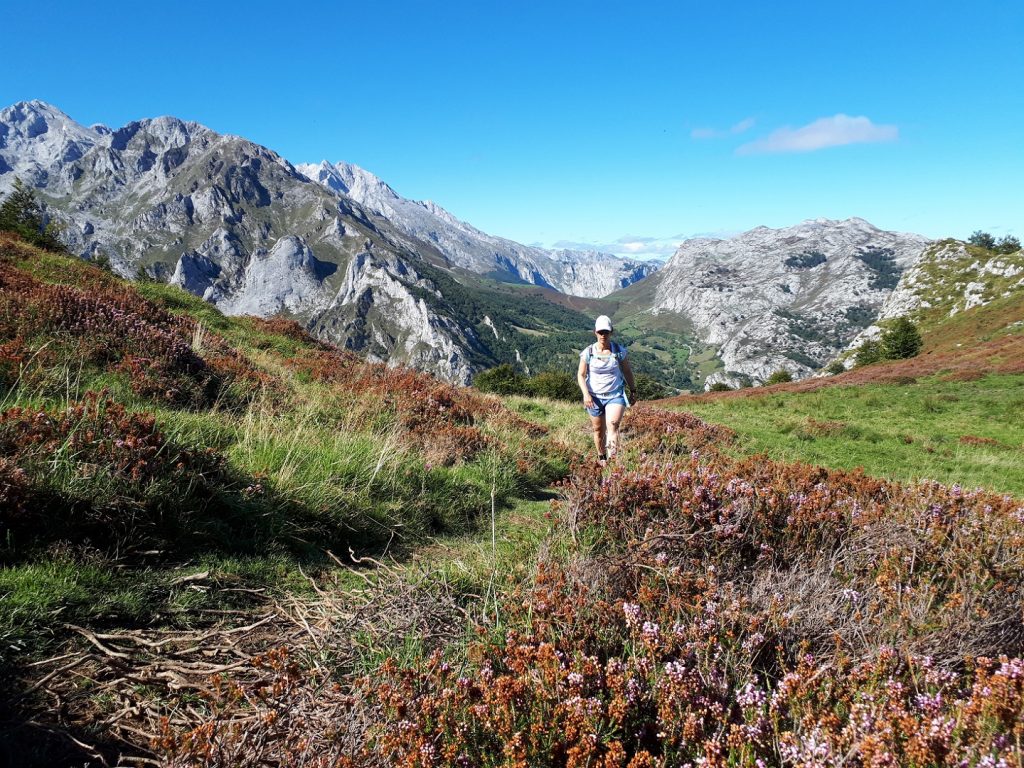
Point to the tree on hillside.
(649, 388)
(22, 214)
(867, 353)
(901, 340)
(982, 239)
(1008, 244)
(501, 380)
(1005, 244)
(781, 376)
(556, 385)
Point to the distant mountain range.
(339, 250)
(578, 273)
(235, 223)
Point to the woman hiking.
(603, 376)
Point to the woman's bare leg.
(599, 433)
(614, 416)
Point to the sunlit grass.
(966, 432)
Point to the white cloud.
(638, 247)
(825, 132)
(713, 133)
(742, 126)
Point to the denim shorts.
(600, 403)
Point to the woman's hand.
(588, 401)
(632, 395)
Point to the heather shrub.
(166, 358)
(739, 613)
(653, 431)
(94, 472)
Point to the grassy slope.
(951, 414)
(953, 432)
(321, 452)
(343, 456)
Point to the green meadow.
(966, 432)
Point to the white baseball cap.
(603, 323)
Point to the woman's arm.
(628, 373)
(581, 379)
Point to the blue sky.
(626, 126)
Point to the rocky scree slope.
(235, 223)
(578, 273)
(783, 298)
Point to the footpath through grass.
(965, 432)
(169, 475)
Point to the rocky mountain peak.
(36, 139)
(353, 181)
(784, 298)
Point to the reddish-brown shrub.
(975, 440)
(114, 328)
(656, 431)
(96, 470)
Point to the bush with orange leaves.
(723, 614)
(747, 613)
(669, 697)
(650, 430)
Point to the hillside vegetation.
(147, 438)
(951, 414)
(226, 544)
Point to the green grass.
(479, 569)
(39, 599)
(311, 467)
(909, 432)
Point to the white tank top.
(604, 374)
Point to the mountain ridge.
(227, 219)
(580, 273)
(790, 297)
(339, 250)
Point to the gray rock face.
(579, 273)
(37, 142)
(784, 298)
(286, 279)
(235, 223)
